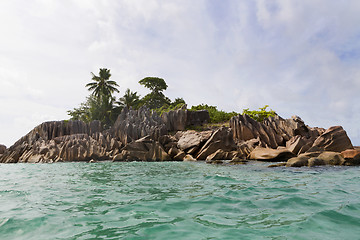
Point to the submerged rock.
(316, 159)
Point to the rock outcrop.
(2, 148)
(271, 155)
(144, 149)
(273, 131)
(333, 139)
(75, 147)
(351, 156)
(316, 159)
(39, 145)
(220, 139)
(135, 124)
(178, 120)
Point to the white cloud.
(300, 57)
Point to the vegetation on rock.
(102, 105)
(156, 98)
(259, 115)
(216, 116)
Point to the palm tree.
(130, 99)
(102, 86)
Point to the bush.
(259, 115)
(216, 116)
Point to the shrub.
(216, 116)
(259, 115)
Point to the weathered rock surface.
(273, 131)
(135, 124)
(220, 139)
(191, 138)
(144, 149)
(40, 144)
(333, 139)
(244, 148)
(2, 148)
(317, 159)
(351, 156)
(178, 120)
(271, 155)
(222, 155)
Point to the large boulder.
(312, 159)
(273, 131)
(222, 138)
(144, 149)
(298, 144)
(271, 155)
(191, 138)
(351, 156)
(222, 155)
(333, 139)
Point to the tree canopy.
(101, 85)
(130, 99)
(155, 84)
(102, 105)
(156, 98)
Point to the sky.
(301, 57)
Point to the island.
(156, 129)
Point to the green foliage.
(216, 116)
(261, 114)
(102, 86)
(95, 109)
(130, 99)
(156, 98)
(178, 103)
(100, 104)
(155, 84)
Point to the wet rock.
(299, 161)
(282, 164)
(144, 149)
(351, 156)
(180, 156)
(272, 155)
(189, 158)
(316, 159)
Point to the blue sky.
(299, 57)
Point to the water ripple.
(175, 200)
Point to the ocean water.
(177, 200)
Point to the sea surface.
(177, 200)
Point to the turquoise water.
(177, 200)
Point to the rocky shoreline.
(142, 135)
